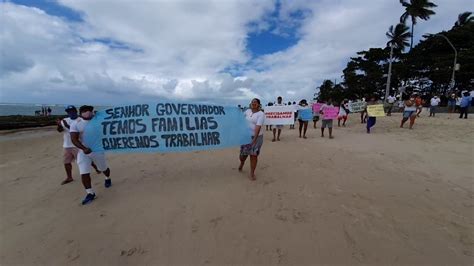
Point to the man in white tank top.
(70, 151)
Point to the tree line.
(427, 67)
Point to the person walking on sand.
(326, 122)
(343, 113)
(86, 156)
(295, 114)
(371, 120)
(465, 103)
(409, 112)
(303, 124)
(451, 104)
(316, 116)
(419, 104)
(458, 103)
(390, 102)
(268, 126)
(70, 151)
(434, 102)
(255, 119)
(363, 114)
(278, 127)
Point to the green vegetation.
(427, 67)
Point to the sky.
(111, 52)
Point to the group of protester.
(45, 111)
(74, 125)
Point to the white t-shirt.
(343, 112)
(391, 99)
(435, 101)
(67, 143)
(78, 126)
(254, 120)
(458, 101)
(278, 104)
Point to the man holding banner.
(85, 156)
(329, 113)
(374, 109)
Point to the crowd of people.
(410, 108)
(45, 111)
(73, 127)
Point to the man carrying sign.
(85, 155)
(329, 113)
(279, 127)
(373, 110)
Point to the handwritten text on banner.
(375, 110)
(279, 115)
(330, 112)
(166, 127)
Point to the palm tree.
(464, 18)
(398, 40)
(416, 9)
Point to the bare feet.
(253, 177)
(278, 139)
(240, 168)
(273, 140)
(331, 137)
(304, 137)
(322, 136)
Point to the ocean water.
(29, 109)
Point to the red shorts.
(70, 154)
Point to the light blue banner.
(166, 127)
(305, 114)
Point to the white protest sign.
(356, 107)
(279, 115)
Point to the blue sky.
(259, 42)
(109, 52)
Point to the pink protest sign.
(316, 107)
(330, 112)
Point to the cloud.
(148, 50)
(331, 33)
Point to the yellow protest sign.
(375, 110)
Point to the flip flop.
(66, 181)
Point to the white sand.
(393, 197)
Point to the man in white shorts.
(70, 151)
(279, 127)
(85, 156)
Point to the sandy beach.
(394, 197)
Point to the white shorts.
(84, 161)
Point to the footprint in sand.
(281, 256)
(132, 251)
(195, 226)
(216, 221)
